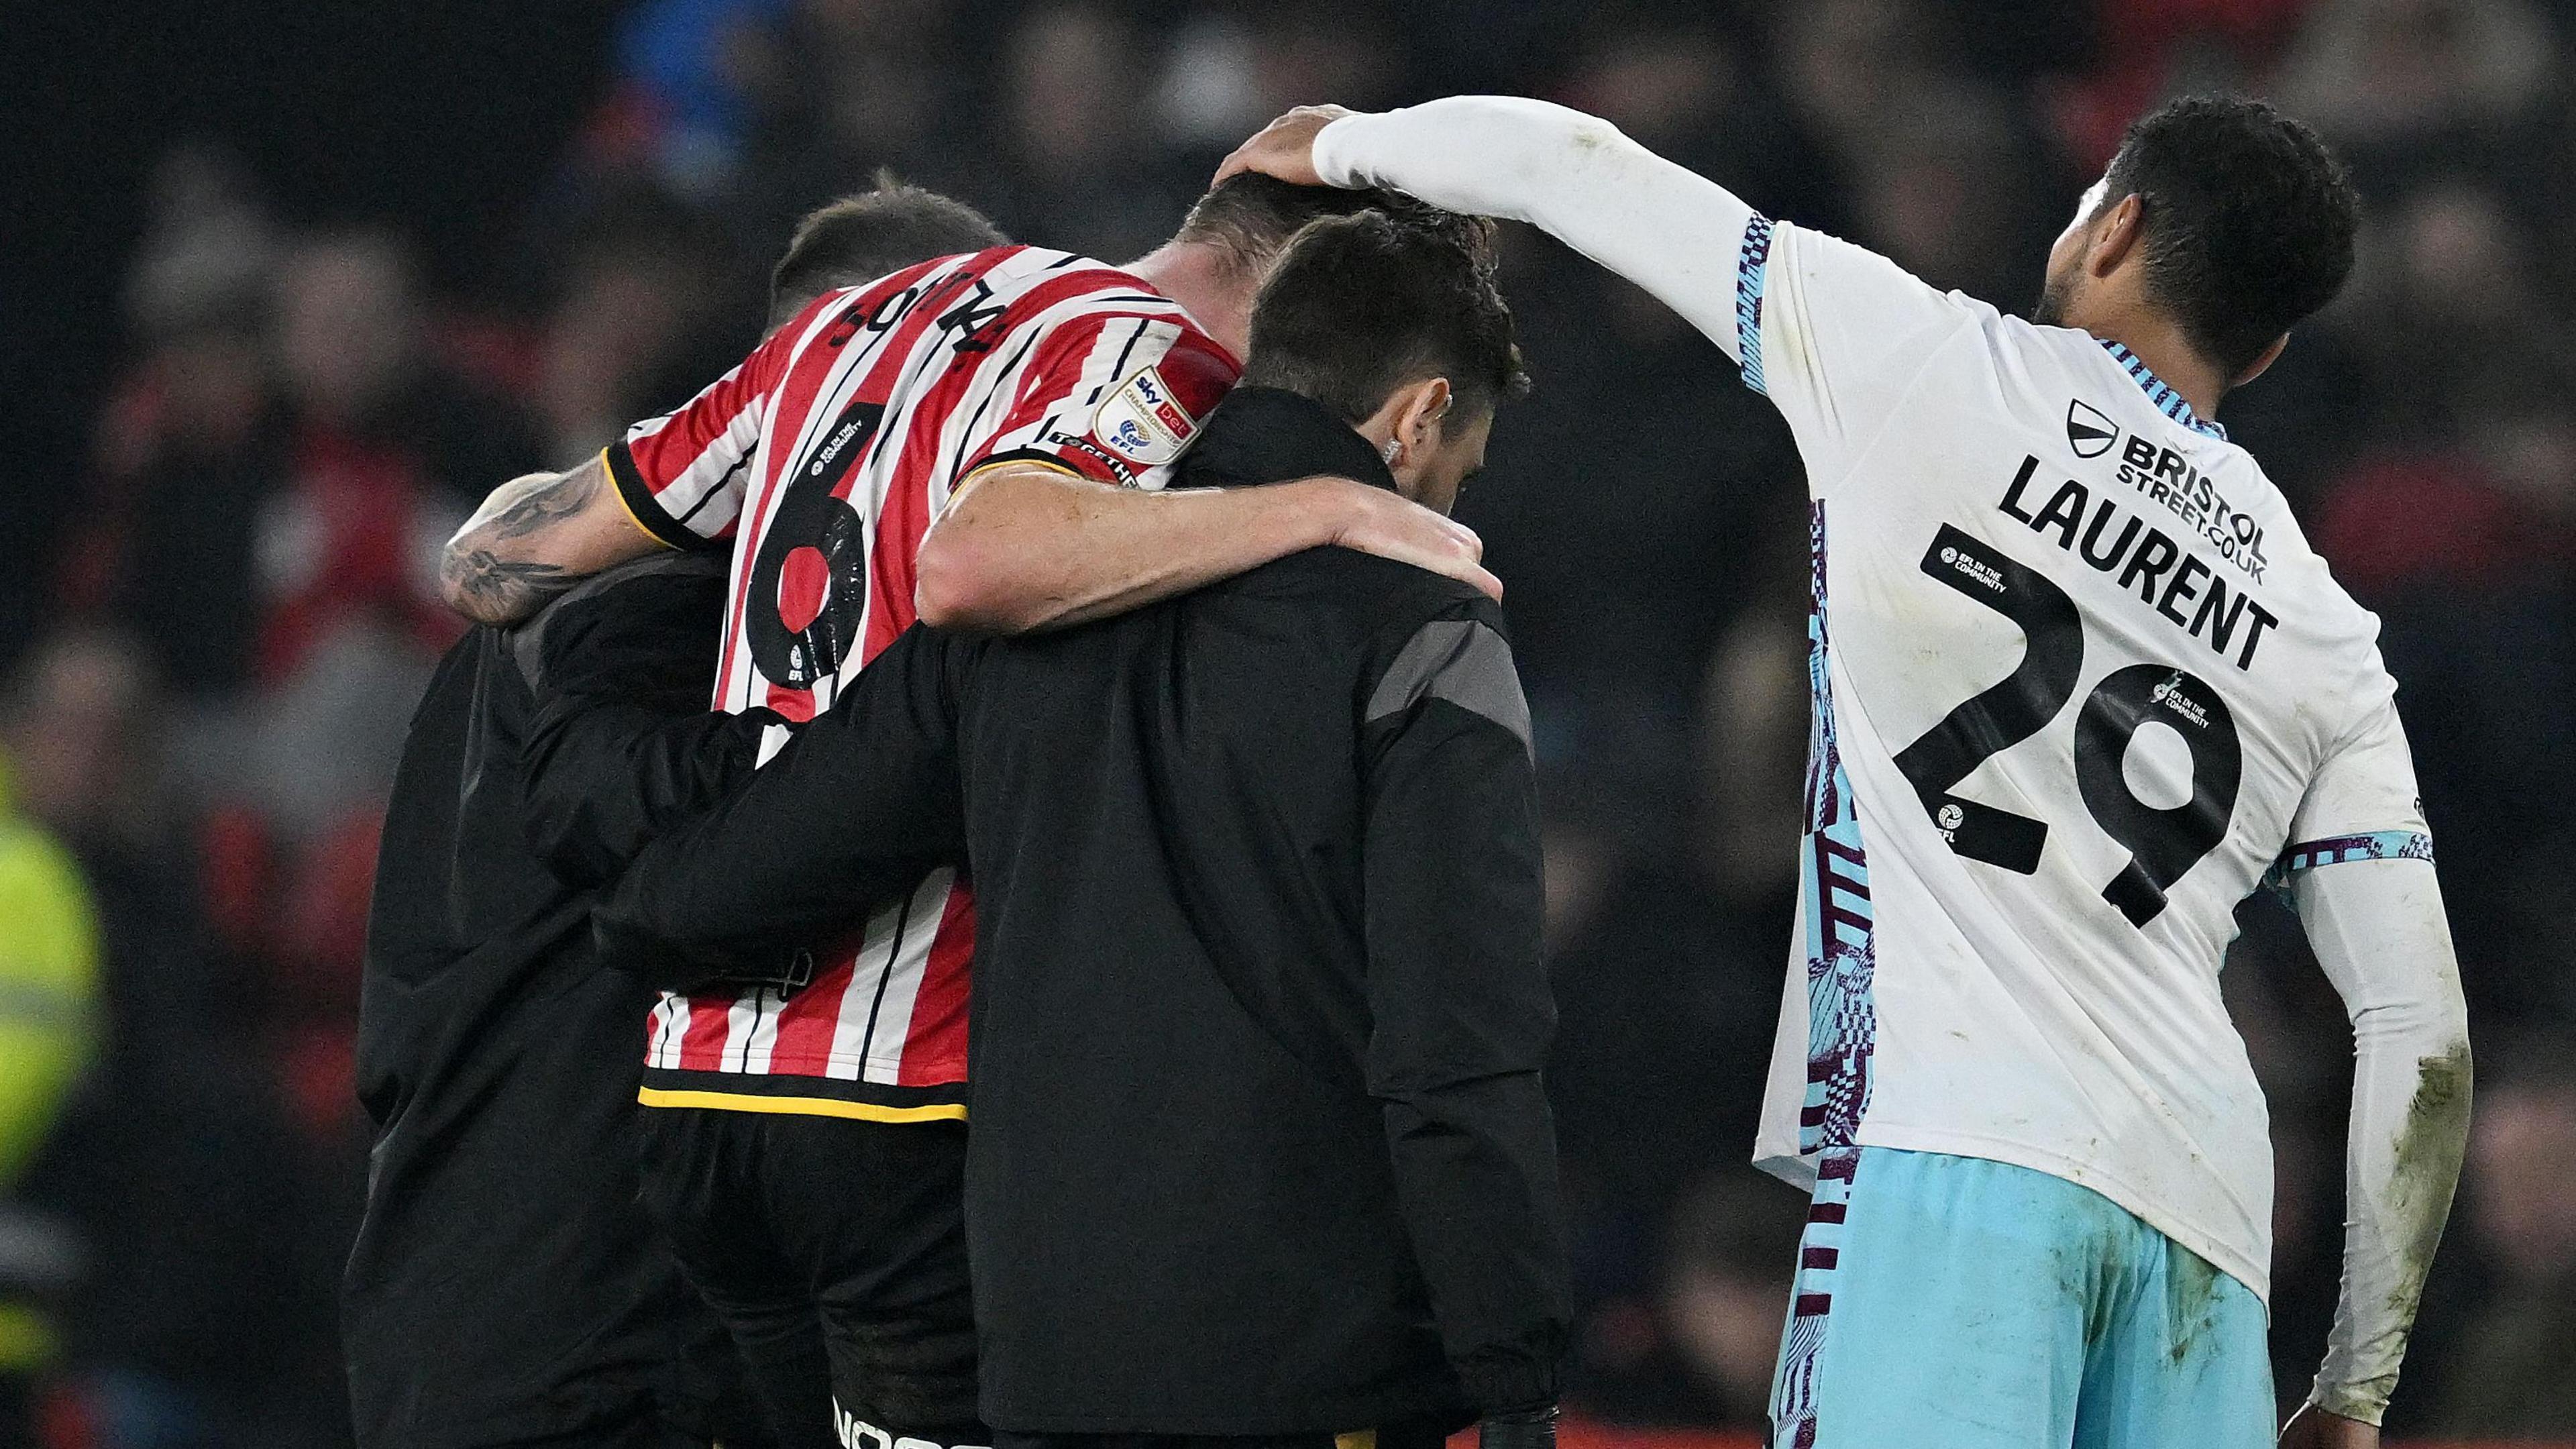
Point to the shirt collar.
(1269, 435)
(2158, 392)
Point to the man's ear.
(1420, 407)
(2260, 365)
(2116, 232)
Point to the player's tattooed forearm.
(483, 580)
(563, 497)
(496, 590)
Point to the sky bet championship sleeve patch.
(1142, 422)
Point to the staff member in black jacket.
(506, 1287)
(1259, 1149)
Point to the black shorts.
(835, 1251)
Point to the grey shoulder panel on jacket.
(1464, 661)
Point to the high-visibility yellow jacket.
(49, 983)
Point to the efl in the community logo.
(2170, 694)
(2088, 432)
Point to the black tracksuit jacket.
(505, 1283)
(1258, 1143)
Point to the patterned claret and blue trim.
(1749, 266)
(1811, 1300)
(1842, 950)
(2340, 849)
(1842, 1015)
(2167, 401)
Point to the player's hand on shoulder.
(2314, 1428)
(1285, 148)
(1375, 521)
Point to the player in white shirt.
(2080, 688)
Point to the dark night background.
(285, 288)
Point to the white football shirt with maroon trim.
(2081, 687)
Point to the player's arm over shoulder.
(1047, 525)
(534, 538)
(1027, 547)
(671, 482)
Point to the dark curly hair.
(2249, 220)
(1361, 305)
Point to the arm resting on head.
(1574, 176)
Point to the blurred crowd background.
(291, 286)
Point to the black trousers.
(834, 1250)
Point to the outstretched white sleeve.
(1832, 333)
(2378, 929)
(1576, 177)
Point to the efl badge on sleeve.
(1142, 423)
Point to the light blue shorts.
(1955, 1303)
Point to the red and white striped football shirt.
(822, 460)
